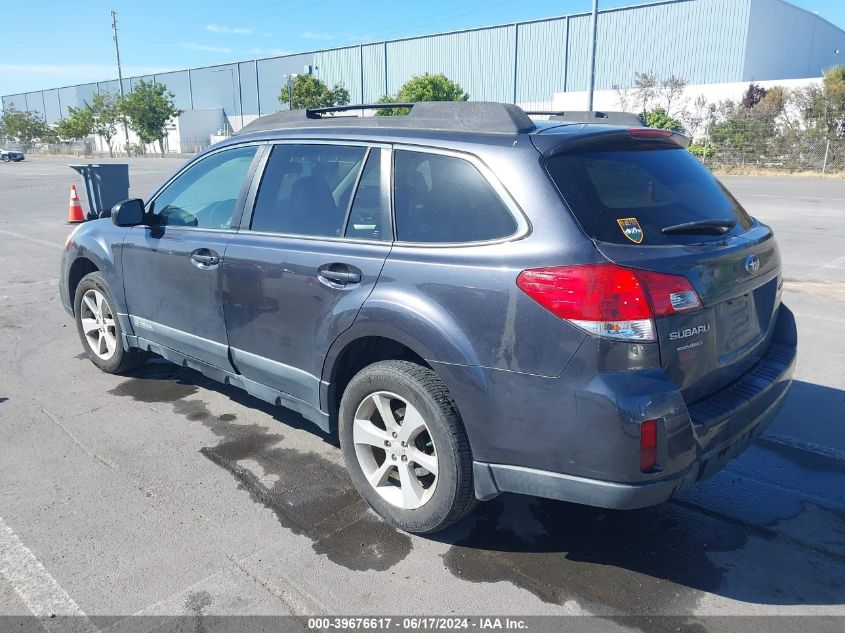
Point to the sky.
(47, 44)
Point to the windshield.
(629, 196)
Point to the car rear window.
(628, 196)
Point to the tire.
(413, 395)
(6, 158)
(110, 357)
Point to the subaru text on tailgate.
(474, 301)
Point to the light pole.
(232, 76)
(592, 73)
(119, 71)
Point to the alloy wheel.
(395, 450)
(98, 324)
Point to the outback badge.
(631, 229)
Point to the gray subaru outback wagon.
(476, 302)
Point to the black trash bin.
(105, 185)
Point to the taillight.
(648, 445)
(669, 293)
(609, 300)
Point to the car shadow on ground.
(762, 531)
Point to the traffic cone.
(75, 213)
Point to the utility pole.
(119, 71)
(592, 73)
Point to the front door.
(313, 250)
(171, 266)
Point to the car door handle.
(205, 258)
(341, 277)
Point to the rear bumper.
(492, 479)
(722, 427)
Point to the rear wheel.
(405, 446)
(99, 328)
(6, 158)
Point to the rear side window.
(628, 196)
(368, 212)
(445, 199)
(306, 189)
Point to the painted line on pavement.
(31, 239)
(35, 586)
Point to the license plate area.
(739, 326)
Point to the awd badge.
(631, 228)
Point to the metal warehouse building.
(702, 41)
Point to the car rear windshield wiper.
(718, 227)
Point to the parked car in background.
(11, 155)
(476, 302)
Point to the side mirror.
(128, 213)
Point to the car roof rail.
(603, 117)
(457, 116)
(317, 113)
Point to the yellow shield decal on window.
(631, 229)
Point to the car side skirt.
(253, 388)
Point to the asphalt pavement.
(166, 494)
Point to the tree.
(310, 92)
(752, 96)
(423, 88)
(25, 127)
(671, 89)
(659, 118)
(78, 124)
(149, 108)
(833, 100)
(645, 87)
(106, 110)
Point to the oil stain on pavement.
(649, 562)
(311, 495)
(646, 562)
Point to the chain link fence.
(774, 153)
(84, 148)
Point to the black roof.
(458, 116)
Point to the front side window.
(205, 194)
(306, 189)
(446, 199)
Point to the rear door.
(651, 205)
(305, 260)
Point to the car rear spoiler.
(551, 144)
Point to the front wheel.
(405, 447)
(99, 328)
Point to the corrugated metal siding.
(374, 75)
(577, 71)
(84, 94)
(785, 42)
(341, 66)
(541, 60)
(480, 61)
(180, 85)
(15, 102)
(271, 78)
(702, 41)
(216, 87)
(249, 87)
